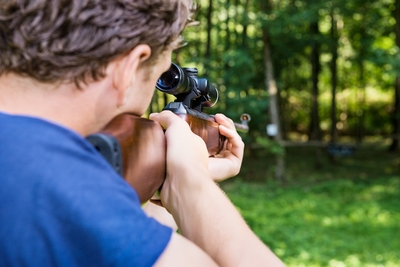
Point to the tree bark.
(315, 131)
(209, 28)
(361, 101)
(361, 94)
(272, 89)
(396, 116)
(245, 22)
(333, 67)
(228, 32)
(236, 18)
(271, 84)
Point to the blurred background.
(321, 187)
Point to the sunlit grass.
(329, 224)
(330, 217)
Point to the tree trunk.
(315, 131)
(396, 116)
(236, 19)
(271, 85)
(361, 94)
(228, 32)
(361, 103)
(333, 67)
(273, 103)
(245, 22)
(272, 89)
(209, 28)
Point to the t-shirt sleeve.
(97, 219)
(62, 204)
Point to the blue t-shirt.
(62, 204)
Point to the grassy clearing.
(343, 214)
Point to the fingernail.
(152, 115)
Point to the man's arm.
(181, 252)
(203, 213)
(218, 233)
(222, 166)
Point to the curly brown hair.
(72, 40)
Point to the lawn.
(343, 214)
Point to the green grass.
(343, 214)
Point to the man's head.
(75, 40)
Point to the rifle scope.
(184, 83)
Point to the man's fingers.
(166, 118)
(163, 118)
(177, 130)
(224, 120)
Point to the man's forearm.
(210, 220)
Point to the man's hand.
(228, 161)
(187, 159)
(203, 213)
(222, 166)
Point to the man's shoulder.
(40, 149)
(29, 128)
(51, 156)
(56, 189)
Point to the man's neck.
(63, 103)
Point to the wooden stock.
(143, 148)
(207, 130)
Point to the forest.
(326, 76)
(319, 70)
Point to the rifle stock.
(136, 147)
(141, 143)
(208, 130)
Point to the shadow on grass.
(300, 165)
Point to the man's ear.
(126, 70)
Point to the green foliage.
(368, 58)
(270, 145)
(347, 212)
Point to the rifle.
(135, 147)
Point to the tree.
(315, 130)
(272, 89)
(396, 116)
(333, 69)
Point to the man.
(67, 67)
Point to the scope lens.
(169, 79)
(213, 94)
(211, 98)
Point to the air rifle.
(135, 147)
